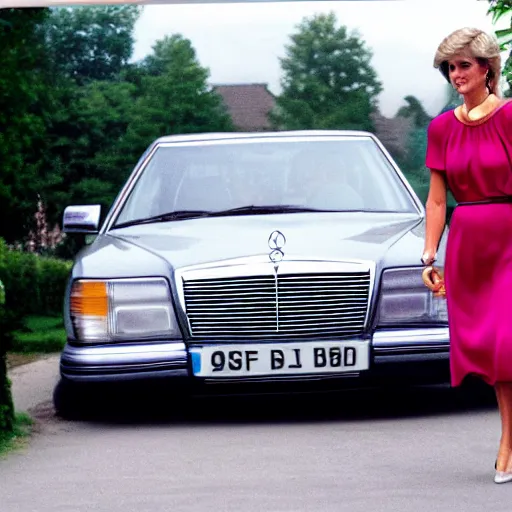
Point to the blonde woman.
(470, 153)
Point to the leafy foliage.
(499, 9)
(83, 138)
(6, 404)
(88, 44)
(13, 439)
(75, 114)
(417, 138)
(415, 110)
(173, 97)
(328, 80)
(33, 284)
(23, 95)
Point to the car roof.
(219, 136)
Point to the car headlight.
(406, 300)
(117, 309)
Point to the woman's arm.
(435, 215)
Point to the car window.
(345, 174)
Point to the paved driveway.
(424, 450)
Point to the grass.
(40, 334)
(16, 439)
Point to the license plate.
(279, 359)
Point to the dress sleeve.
(436, 148)
(506, 126)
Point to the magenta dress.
(477, 159)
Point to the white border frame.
(4, 4)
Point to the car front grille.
(283, 306)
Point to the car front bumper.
(414, 345)
(133, 361)
(417, 354)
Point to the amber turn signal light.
(89, 298)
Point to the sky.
(242, 42)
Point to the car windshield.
(340, 174)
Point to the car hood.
(325, 236)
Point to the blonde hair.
(474, 43)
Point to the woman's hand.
(434, 281)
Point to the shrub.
(35, 285)
(18, 271)
(6, 404)
(53, 276)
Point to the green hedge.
(6, 404)
(34, 285)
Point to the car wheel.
(68, 399)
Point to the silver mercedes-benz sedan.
(253, 260)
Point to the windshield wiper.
(242, 210)
(278, 208)
(165, 217)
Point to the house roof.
(248, 104)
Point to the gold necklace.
(480, 110)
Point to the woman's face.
(467, 75)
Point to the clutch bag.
(433, 277)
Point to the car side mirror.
(84, 219)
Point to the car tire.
(68, 400)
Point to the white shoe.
(502, 477)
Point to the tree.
(55, 116)
(415, 110)
(89, 48)
(24, 96)
(84, 135)
(75, 116)
(104, 126)
(328, 80)
(91, 42)
(171, 51)
(417, 139)
(174, 98)
(499, 9)
(6, 403)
